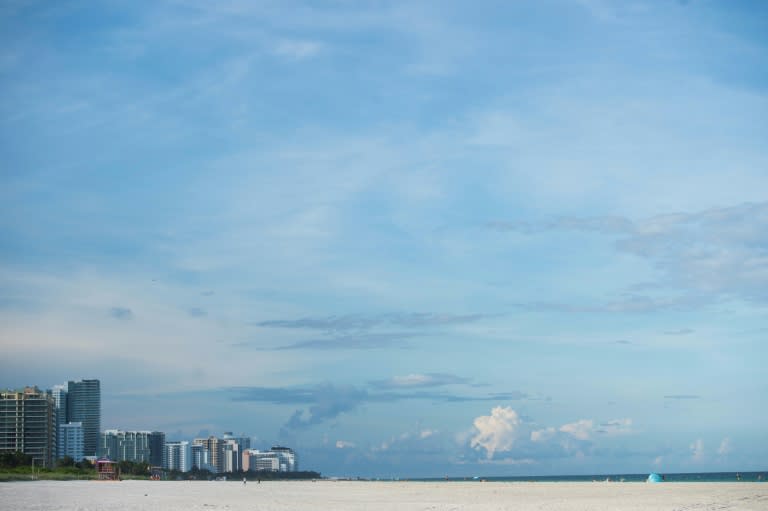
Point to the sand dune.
(373, 496)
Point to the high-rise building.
(125, 445)
(232, 451)
(28, 424)
(177, 456)
(59, 393)
(84, 405)
(199, 456)
(70, 440)
(231, 460)
(214, 449)
(156, 448)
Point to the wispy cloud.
(682, 396)
(368, 321)
(725, 447)
(682, 331)
(327, 401)
(607, 225)
(710, 254)
(697, 450)
(362, 341)
(296, 49)
(420, 380)
(627, 303)
(123, 313)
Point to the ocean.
(702, 477)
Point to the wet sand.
(374, 496)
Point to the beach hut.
(107, 469)
(655, 478)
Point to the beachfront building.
(177, 456)
(199, 455)
(211, 454)
(232, 451)
(120, 445)
(70, 440)
(277, 459)
(28, 424)
(59, 393)
(156, 448)
(83, 404)
(287, 457)
(231, 460)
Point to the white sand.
(372, 496)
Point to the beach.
(373, 496)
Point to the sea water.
(705, 477)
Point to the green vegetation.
(17, 466)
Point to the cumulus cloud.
(580, 429)
(504, 436)
(496, 432)
(543, 435)
(343, 444)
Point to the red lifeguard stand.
(107, 469)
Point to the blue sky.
(407, 239)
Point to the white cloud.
(725, 447)
(426, 433)
(297, 49)
(580, 429)
(616, 427)
(496, 432)
(542, 435)
(697, 450)
(343, 444)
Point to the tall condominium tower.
(28, 424)
(84, 405)
(156, 448)
(59, 393)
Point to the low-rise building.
(277, 459)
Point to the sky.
(407, 239)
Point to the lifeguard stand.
(107, 469)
